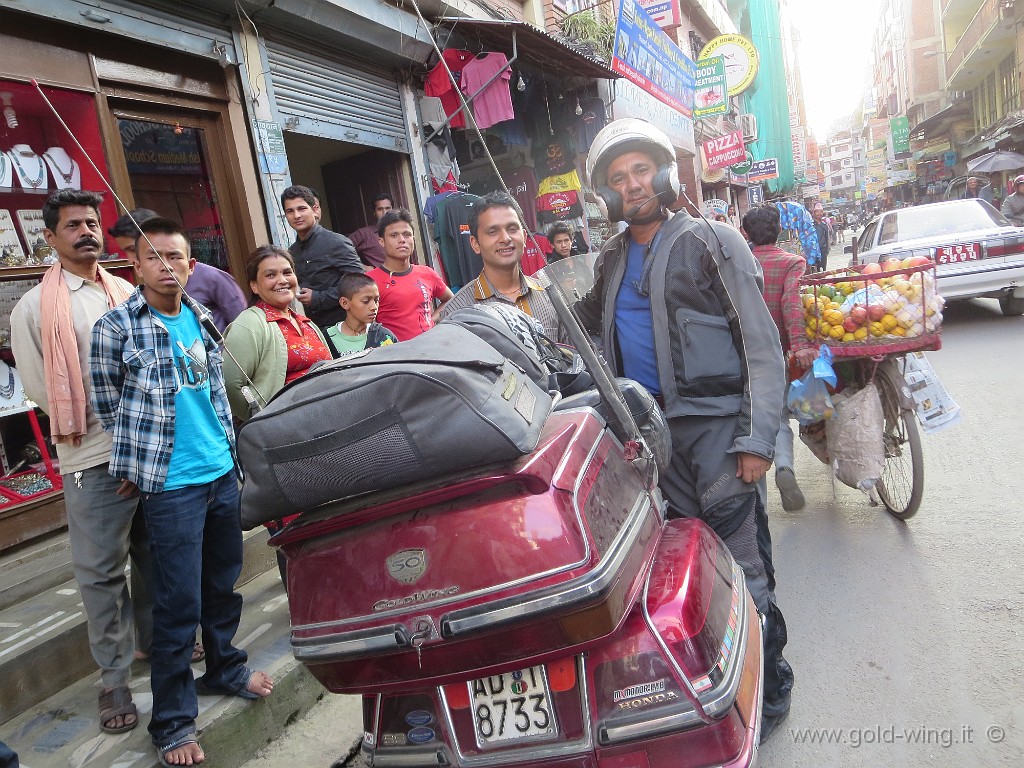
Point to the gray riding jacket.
(717, 347)
(1013, 208)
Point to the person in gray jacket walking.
(677, 302)
(1013, 205)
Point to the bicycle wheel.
(902, 483)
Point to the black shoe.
(792, 496)
(769, 724)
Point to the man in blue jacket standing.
(677, 302)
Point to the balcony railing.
(982, 23)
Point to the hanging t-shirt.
(559, 202)
(201, 452)
(589, 123)
(512, 132)
(440, 85)
(561, 183)
(533, 255)
(523, 186)
(407, 299)
(432, 110)
(451, 231)
(493, 104)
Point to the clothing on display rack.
(534, 256)
(563, 182)
(512, 132)
(430, 206)
(451, 231)
(555, 155)
(591, 121)
(494, 103)
(439, 84)
(523, 186)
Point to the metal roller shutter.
(335, 98)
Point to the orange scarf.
(62, 372)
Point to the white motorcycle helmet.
(629, 135)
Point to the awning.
(537, 49)
(939, 122)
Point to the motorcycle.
(536, 611)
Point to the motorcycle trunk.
(516, 564)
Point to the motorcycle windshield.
(566, 281)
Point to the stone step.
(64, 729)
(44, 643)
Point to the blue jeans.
(195, 538)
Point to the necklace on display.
(23, 174)
(7, 390)
(56, 166)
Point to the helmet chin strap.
(657, 214)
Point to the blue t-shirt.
(634, 325)
(201, 450)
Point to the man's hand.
(305, 296)
(128, 489)
(805, 357)
(751, 467)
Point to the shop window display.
(37, 157)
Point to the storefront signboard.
(629, 100)
(710, 97)
(741, 60)
(648, 57)
(762, 170)
(270, 141)
(666, 13)
(724, 151)
(157, 148)
(900, 128)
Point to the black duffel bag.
(439, 403)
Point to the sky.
(835, 55)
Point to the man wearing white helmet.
(1013, 205)
(677, 302)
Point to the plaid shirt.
(133, 385)
(782, 273)
(531, 299)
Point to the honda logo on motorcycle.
(408, 565)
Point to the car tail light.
(1006, 246)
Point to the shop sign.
(949, 159)
(666, 13)
(725, 150)
(900, 129)
(716, 205)
(743, 168)
(741, 60)
(799, 154)
(709, 93)
(648, 57)
(755, 196)
(155, 148)
(628, 100)
(762, 170)
(270, 147)
(810, 190)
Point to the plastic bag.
(855, 442)
(808, 399)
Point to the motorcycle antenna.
(202, 314)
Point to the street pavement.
(905, 638)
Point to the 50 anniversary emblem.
(408, 565)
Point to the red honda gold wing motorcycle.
(536, 612)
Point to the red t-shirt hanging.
(407, 299)
(533, 260)
(440, 85)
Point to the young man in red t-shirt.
(407, 291)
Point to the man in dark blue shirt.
(321, 257)
(821, 229)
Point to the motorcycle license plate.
(514, 706)
(957, 254)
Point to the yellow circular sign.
(741, 60)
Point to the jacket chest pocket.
(707, 346)
(150, 373)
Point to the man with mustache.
(50, 331)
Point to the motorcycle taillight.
(694, 602)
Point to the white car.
(977, 251)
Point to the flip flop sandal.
(204, 689)
(117, 702)
(181, 741)
(198, 653)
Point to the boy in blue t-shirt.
(360, 298)
(157, 386)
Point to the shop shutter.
(336, 98)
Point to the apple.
(871, 269)
(876, 312)
(892, 265)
